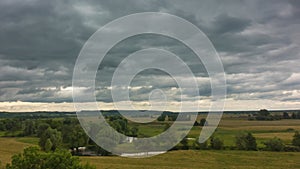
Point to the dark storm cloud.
(227, 24)
(258, 42)
(37, 30)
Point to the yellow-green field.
(178, 159)
(229, 127)
(203, 159)
(9, 147)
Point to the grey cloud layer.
(258, 42)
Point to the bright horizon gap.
(230, 105)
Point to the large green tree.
(50, 137)
(42, 127)
(29, 127)
(74, 136)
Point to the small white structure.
(129, 139)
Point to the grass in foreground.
(203, 159)
(9, 147)
(178, 159)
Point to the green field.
(229, 127)
(9, 147)
(178, 159)
(203, 159)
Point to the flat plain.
(229, 127)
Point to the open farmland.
(203, 159)
(229, 127)
(178, 159)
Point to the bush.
(196, 123)
(184, 144)
(292, 148)
(265, 115)
(285, 115)
(161, 117)
(33, 158)
(264, 112)
(274, 144)
(298, 115)
(200, 146)
(296, 139)
(294, 116)
(268, 118)
(251, 118)
(216, 143)
(246, 142)
(290, 129)
(203, 122)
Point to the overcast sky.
(258, 43)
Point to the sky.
(258, 43)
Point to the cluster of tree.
(274, 144)
(11, 126)
(15, 127)
(63, 133)
(69, 134)
(202, 122)
(265, 115)
(277, 144)
(66, 133)
(37, 115)
(33, 158)
(169, 116)
(294, 115)
(243, 141)
(121, 125)
(214, 143)
(162, 117)
(107, 136)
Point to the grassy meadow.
(11, 146)
(203, 159)
(177, 159)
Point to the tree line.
(67, 133)
(265, 115)
(64, 133)
(57, 136)
(243, 141)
